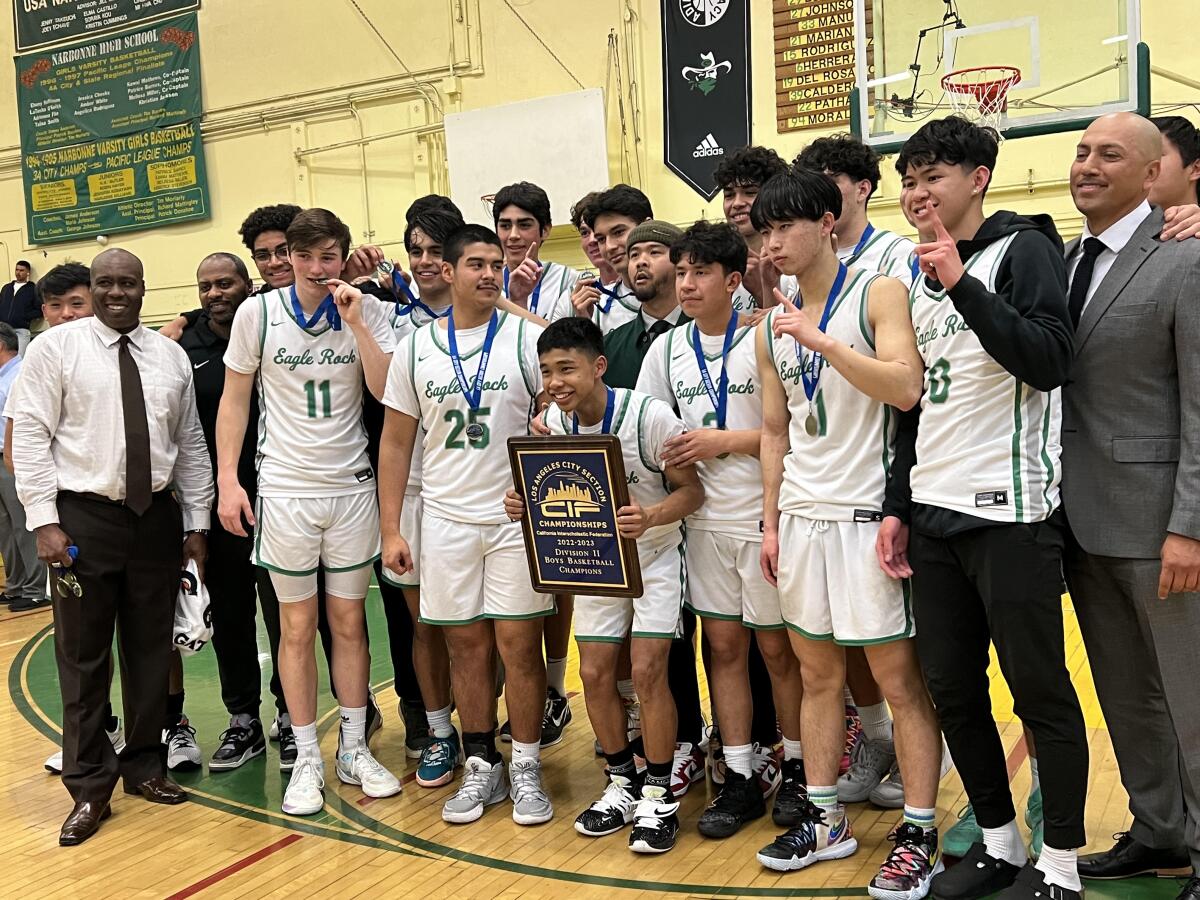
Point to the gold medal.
(810, 425)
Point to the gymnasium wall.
(301, 77)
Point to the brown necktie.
(137, 432)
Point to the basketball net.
(980, 94)
(488, 201)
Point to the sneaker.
(374, 716)
(116, 737)
(305, 794)
(977, 875)
(1033, 818)
(889, 793)
(870, 763)
(962, 834)
(764, 762)
(482, 785)
(655, 825)
(287, 744)
(439, 759)
(613, 811)
(273, 731)
(531, 805)
(686, 769)
(24, 604)
(809, 842)
(853, 736)
(739, 801)
(910, 866)
(416, 729)
(633, 717)
(506, 732)
(1030, 884)
(183, 753)
(358, 766)
(716, 756)
(240, 742)
(556, 717)
(792, 796)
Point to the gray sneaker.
(890, 792)
(869, 765)
(482, 785)
(531, 806)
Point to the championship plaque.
(573, 486)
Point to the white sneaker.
(359, 767)
(183, 753)
(305, 794)
(687, 767)
(482, 785)
(54, 764)
(531, 805)
(870, 762)
(889, 793)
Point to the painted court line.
(236, 867)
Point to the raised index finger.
(938, 228)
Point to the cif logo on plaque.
(571, 498)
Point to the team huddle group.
(843, 457)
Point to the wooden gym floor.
(231, 841)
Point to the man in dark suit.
(19, 304)
(1131, 484)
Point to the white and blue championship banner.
(706, 86)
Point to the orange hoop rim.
(990, 89)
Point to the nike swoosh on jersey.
(201, 365)
(276, 324)
(423, 358)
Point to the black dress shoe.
(1128, 858)
(977, 874)
(159, 790)
(83, 822)
(1191, 890)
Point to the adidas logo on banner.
(708, 147)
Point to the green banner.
(127, 82)
(42, 22)
(139, 180)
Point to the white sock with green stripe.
(922, 818)
(825, 798)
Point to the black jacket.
(20, 307)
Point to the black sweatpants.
(1002, 584)
(231, 579)
(400, 638)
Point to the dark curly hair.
(842, 154)
(749, 165)
(267, 218)
(706, 243)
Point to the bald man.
(113, 473)
(1131, 488)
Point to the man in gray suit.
(1131, 489)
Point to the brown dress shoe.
(159, 790)
(83, 822)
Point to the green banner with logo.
(41, 22)
(127, 82)
(125, 183)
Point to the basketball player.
(308, 351)
(607, 286)
(1177, 188)
(739, 176)
(721, 407)
(522, 218)
(832, 367)
(993, 329)
(660, 496)
(611, 216)
(475, 581)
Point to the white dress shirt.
(1114, 238)
(69, 428)
(671, 318)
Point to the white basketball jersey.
(311, 439)
(553, 292)
(643, 424)
(839, 473)
(613, 312)
(743, 300)
(988, 444)
(464, 477)
(733, 485)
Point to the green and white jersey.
(311, 439)
(886, 252)
(839, 473)
(743, 300)
(988, 444)
(643, 424)
(554, 297)
(732, 485)
(463, 478)
(623, 308)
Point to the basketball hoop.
(488, 201)
(981, 93)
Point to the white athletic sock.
(556, 675)
(522, 751)
(1037, 782)
(922, 818)
(792, 750)
(1005, 843)
(439, 722)
(876, 722)
(739, 758)
(824, 798)
(306, 741)
(1058, 867)
(625, 689)
(849, 697)
(354, 726)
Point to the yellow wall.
(304, 74)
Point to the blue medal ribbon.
(609, 405)
(400, 286)
(537, 289)
(611, 293)
(861, 245)
(327, 310)
(720, 394)
(472, 392)
(811, 381)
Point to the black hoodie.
(1024, 326)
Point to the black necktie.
(1082, 281)
(137, 431)
(662, 326)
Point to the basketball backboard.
(1078, 59)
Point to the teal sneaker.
(439, 759)
(959, 837)
(1033, 818)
